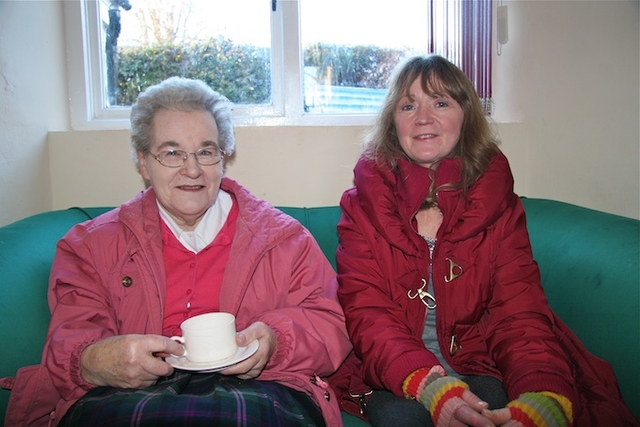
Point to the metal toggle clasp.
(362, 400)
(455, 270)
(425, 296)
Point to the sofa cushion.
(589, 266)
(27, 248)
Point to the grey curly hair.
(182, 94)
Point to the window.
(281, 62)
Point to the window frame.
(86, 76)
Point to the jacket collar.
(250, 213)
(391, 198)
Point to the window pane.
(350, 47)
(224, 43)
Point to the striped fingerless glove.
(415, 383)
(440, 394)
(541, 410)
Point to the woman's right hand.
(128, 361)
(466, 410)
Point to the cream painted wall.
(570, 73)
(33, 101)
(566, 87)
(322, 169)
(328, 155)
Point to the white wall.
(567, 106)
(33, 100)
(571, 72)
(288, 166)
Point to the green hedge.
(242, 72)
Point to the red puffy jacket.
(493, 317)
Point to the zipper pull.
(316, 380)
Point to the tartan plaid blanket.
(188, 399)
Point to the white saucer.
(181, 362)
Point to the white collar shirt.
(208, 227)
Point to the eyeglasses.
(177, 158)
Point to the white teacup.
(208, 337)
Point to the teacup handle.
(181, 341)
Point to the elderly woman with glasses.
(193, 242)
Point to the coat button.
(126, 281)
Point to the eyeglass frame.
(185, 156)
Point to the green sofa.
(589, 262)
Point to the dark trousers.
(387, 410)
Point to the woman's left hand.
(535, 409)
(254, 365)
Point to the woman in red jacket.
(441, 294)
(193, 242)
